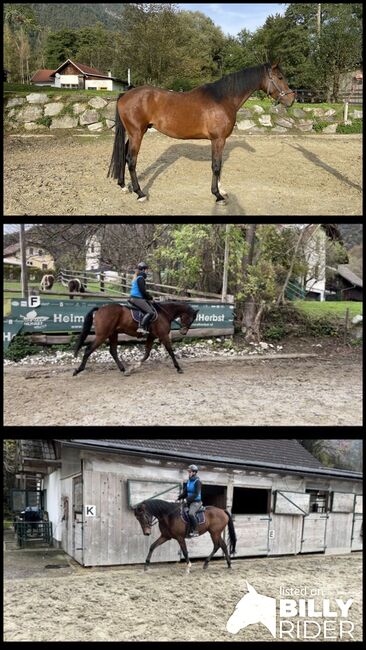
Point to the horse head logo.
(253, 608)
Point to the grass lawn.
(337, 309)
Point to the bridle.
(282, 93)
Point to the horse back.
(189, 115)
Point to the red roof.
(84, 68)
(43, 75)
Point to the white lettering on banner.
(8, 336)
(206, 319)
(59, 318)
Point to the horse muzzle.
(147, 532)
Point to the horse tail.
(118, 160)
(88, 321)
(232, 533)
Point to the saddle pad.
(200, 517)
(138, 315)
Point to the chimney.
(109, 73)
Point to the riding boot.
(193, 532)
(145, 323)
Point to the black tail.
(232, 533)
(118, 160)
(88, 322)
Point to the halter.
(282, 93)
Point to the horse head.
(143, 517)
(275, 85)
(253, 608)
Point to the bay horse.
(47, 282)
(207, 112)
(111, 319)
(172, 526)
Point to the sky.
(233, 17)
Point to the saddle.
(138, 315)
(200, 516)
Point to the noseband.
(282, 93)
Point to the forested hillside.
(74, 15)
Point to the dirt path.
(165, 604)
(266, 174)
(326, 390)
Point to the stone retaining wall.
(37, 111)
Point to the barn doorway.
(214, 495)
(251, 501)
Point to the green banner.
(68, 316)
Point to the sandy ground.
(63, 174)
(164, 604)
(325, 390)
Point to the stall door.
(77, 519)
(313, 533)
(252, 532)
(357, 528)
(339, 525)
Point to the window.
(44, 266)
(31, 251)
(40, 251)
(319, 500)
(251, 501)
(92, 248)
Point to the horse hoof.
(74, 373)
(142, 198)
(124, 189)
(127, 373)
(220, 202)
(180, 371)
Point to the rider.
(192, 493)
(140, 297)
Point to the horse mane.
(235, 83)
(159, 508)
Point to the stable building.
(282, 499)
(71, 74)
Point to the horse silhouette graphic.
(253, 608)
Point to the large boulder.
(29, 114)
(110, 111)
(244, 125)
(286, 122)
(265, 120)
(53, 109)
(79, 108)
(15, 101)
(98, 126)
(97, 102)
(37, 98)
(89, 117)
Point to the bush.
(20, 347)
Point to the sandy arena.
(64, 174)
(165, 604)
(325, 389)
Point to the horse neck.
(172, 310)
(245, 89)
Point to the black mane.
(235, 83)
(160, 508)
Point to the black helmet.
(194, 468)
(142, 266)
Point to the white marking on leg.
(221, 189)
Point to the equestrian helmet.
(194, 468)
(142, 266)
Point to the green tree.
(19, 23)
(61, 45)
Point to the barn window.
(251, 501)
(319, 501)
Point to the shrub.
(20, 347)
(355, 127)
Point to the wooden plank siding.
(113, 482)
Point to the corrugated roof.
(345, 272)
(37, 449)
(287, 452)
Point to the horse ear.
(251, 589)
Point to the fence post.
(346, 322)
(102, 281)
(345, 115)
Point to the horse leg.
(133, 149)
(149, 343)
(224, 548)
(158, 542)
(168, 346)
(113, 340)
(217, 146)
(121, 181)
(216, 544)
(89, 349)
(183, 545)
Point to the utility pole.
(319, 17)
(24, 279)
(226, 264)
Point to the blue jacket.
(192, 491)
(138, 288)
